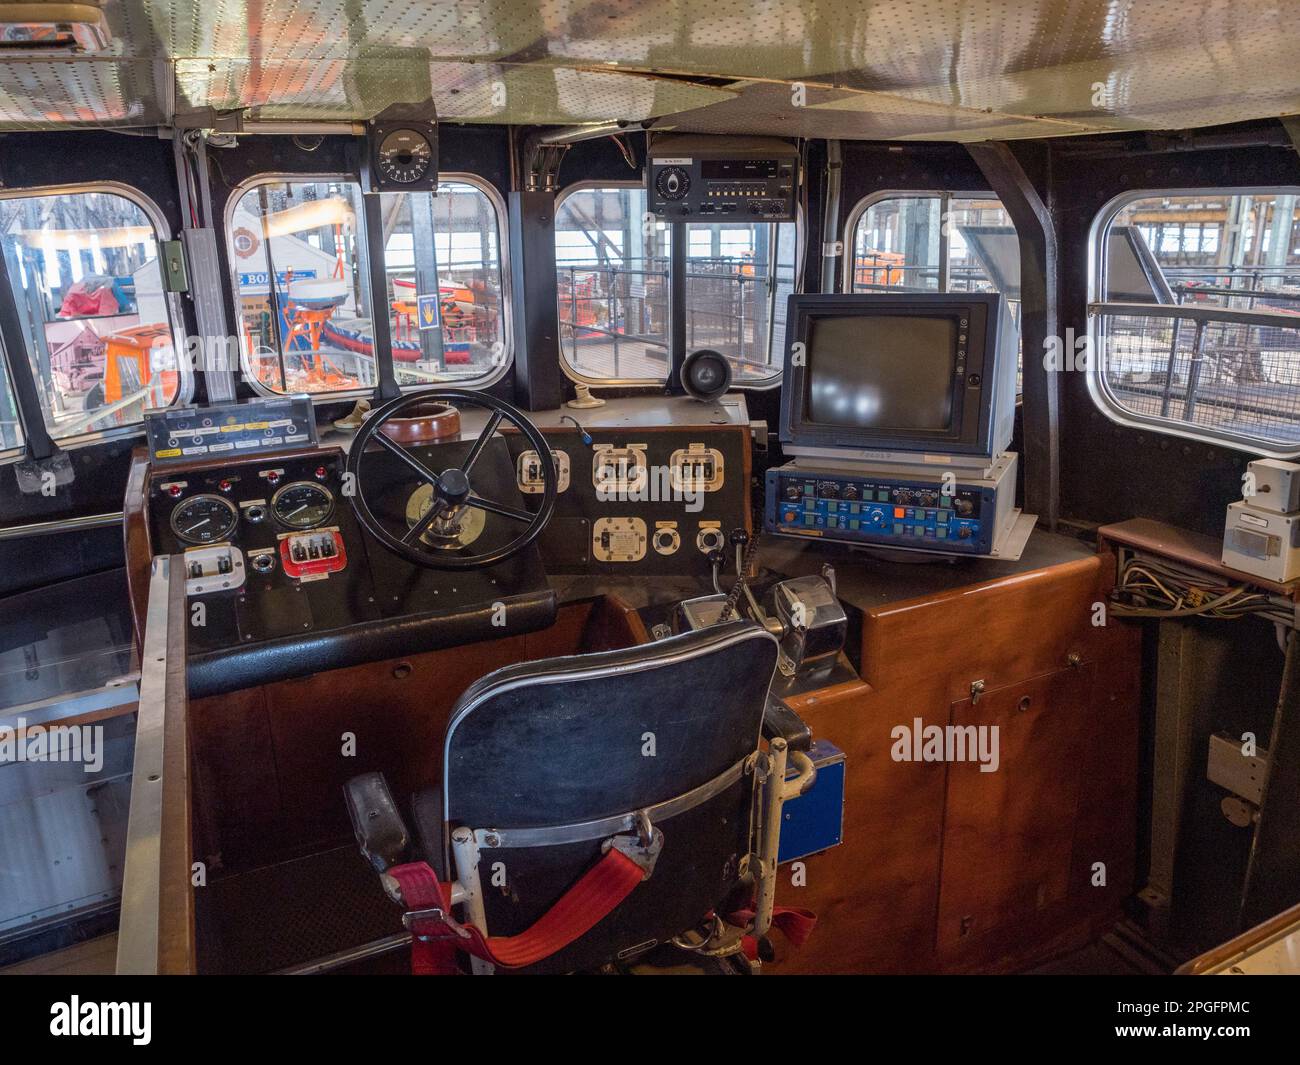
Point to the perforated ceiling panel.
(472, 92)
(934, 69)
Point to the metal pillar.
(1039, 319)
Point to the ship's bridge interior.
(757, 486)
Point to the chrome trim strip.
(137, 939)
(62, 525)
(579, 832)
(374, 949)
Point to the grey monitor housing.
(908, 378)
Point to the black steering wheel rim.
(408, 548)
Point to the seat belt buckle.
(448, 927)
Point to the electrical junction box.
(814, 821)
(1276, 485)
(1262, 542)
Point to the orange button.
(899, 512)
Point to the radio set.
(691, 176)
(897, 409)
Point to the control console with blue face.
(951, 518)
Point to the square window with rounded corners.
(1195, 315)
(97, 323)
(306, 309)
(612, 265)
(934, 242)
(613, 261)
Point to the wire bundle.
(1147, 589)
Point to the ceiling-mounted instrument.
(696, 177)
(400, 156)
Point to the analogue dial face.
(302, 505)
(404, 156)
(672, 182)
(204, 519)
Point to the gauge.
(204, 519)
(673, 183)
(302, 505)
(404, 156)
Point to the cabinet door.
(1008, 833)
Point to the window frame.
(162, 233)
(1102, 398)
(849, 236)
(766, 384)
(503, 264)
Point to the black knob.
(849, 491)
(716, 558)
(739, 537)
(793, 492)
(964, 507)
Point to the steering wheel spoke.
(488, 432)
(514, 513)
(416, 466)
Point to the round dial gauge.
(404, 156)
(302, 505)
(204, 519)
(672, 182)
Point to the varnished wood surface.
(1192, 548)
(927, 844)
(270, 762)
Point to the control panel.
(930, 515)
(642, 501)
(695, 176)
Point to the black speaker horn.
(706, 374)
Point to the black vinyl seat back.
(569, 740)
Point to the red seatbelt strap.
(437, 935)
(796, 925)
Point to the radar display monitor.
(895, 375)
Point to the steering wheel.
(453, 489)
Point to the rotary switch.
(673, 183)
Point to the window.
(97, 323)
(11, 429)
(1212, 348)
(738, 278)
(613, 281)
(935, 242)
(306, 309)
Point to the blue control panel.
(952, 518)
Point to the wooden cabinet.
(944, 868)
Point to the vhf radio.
(695, 176)
(962, 514)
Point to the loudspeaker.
(706, 374)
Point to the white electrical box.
(1276, 485)
(1262, 542)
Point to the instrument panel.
(271, 549)
(643, 501)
